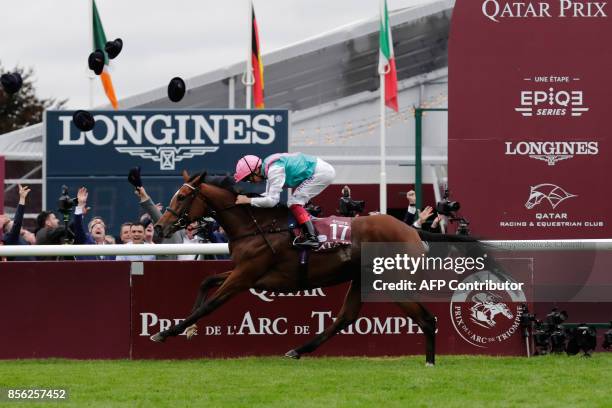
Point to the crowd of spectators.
(51, 230)
(81, 229)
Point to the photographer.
(349, 207)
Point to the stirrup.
(307, 243)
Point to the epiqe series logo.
(170, 138)
(498, 10)
(551, 152)
(484, 318)
(555, 100)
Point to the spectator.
(137, 232)
(154, 212)
(13, 233)
(428, 220)
(125, 235)
(411, 212)
(149, 230)
(219, 235)
(96, 228)
(190, 237)
(3, 220)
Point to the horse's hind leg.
(348, 314)
(208, 283)
(427, 323)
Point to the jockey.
(306, 175)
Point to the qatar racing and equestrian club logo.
(484, 318)
(552, 193)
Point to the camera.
(555, 318)
(607, 343)
(349, 207)
(205, 229)
(447, 207)
(526, 318)
(66, 203)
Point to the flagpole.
(383, 156)
(91, 42)
(248, 79)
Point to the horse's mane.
(223, 181)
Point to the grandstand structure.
(330, 85)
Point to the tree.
(23, 108)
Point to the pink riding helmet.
(245, 166)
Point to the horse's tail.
(472, 247)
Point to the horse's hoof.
(430, 365)
(292, 354)
(191, 331)
(158, 338)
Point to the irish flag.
(99, 41)
(386, 59)
(258, 70)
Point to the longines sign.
(161, 141)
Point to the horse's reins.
(183, 219)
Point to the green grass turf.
(456, 381)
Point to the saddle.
(333, 232)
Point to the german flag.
(258, 70)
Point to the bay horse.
(263, 258)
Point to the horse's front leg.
(208, 283)
(234, 284)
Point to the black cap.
(11, 83)
(83, 120)
(113, 48)
(134, 177)
(96, 61)
(176, 89)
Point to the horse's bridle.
(183, 219)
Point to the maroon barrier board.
(529, 146)
(263, 323)
(2, 173)
(65, 309)
(89, 310)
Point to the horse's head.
(187, 205)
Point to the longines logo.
(551, 152)
(496, 10)
(168, 139)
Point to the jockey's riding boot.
(308, 239)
